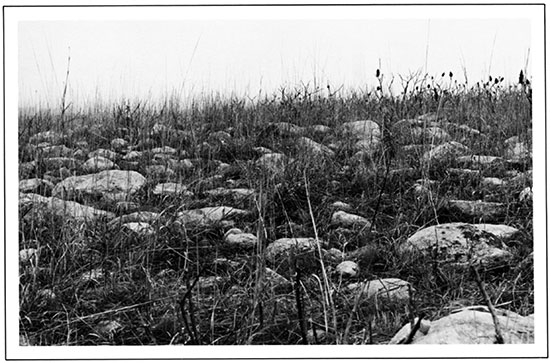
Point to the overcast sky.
(113, 58)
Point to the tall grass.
(153, 287)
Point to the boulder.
(273, 162)
(171, 189)
(472, 161)
(119, 144)
(46, 136)
(40, 207)
(159, 171)
(367, 134)
(516, 150)
(140, 228)
(472, 325)
(383, 293)
(461, 243)
(109, 184)
(36, 185)
(304, 249)
(235, 193)
(479, 210)
(347, 269)
(209, 215)
(448, 151)
(312, 148)
(104, 153)
(54, 151)
(346, 220)
(133, 156)
(236, 237)
(137, 217)
(97, 164)
(53, 164)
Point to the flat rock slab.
(209, 215)
(110, 184)
(344, 219)
(35, 185)
(455, 242)
(278, 252)
(472, 326)
(39, 206)
(448, 151)
(46, 136)
(312, 148)
(171, 189)
(387, 291)
(104, 153)
(479, 160)
(56, 163)
(486, 211)
(137, 217)
(235, 193)
(140, 228)
(97, 164)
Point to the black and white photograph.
(269, 181)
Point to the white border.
(13, 15)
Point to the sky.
(113, 58)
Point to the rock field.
(69, 180)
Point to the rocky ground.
(328, 234)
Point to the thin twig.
(414, 329)
(301, 318)
(353, 311)
(498, 331)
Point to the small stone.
(347, 269)
(387, 291)
(104, 153)
(133, 156)
(342, 206)
(28, 256)
(345, 219)
(243, 240)
(209, 215)
(119, 144)
(526, 195)
(97, 164)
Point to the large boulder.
(461, 243)
(109, 184)
(473, 325)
